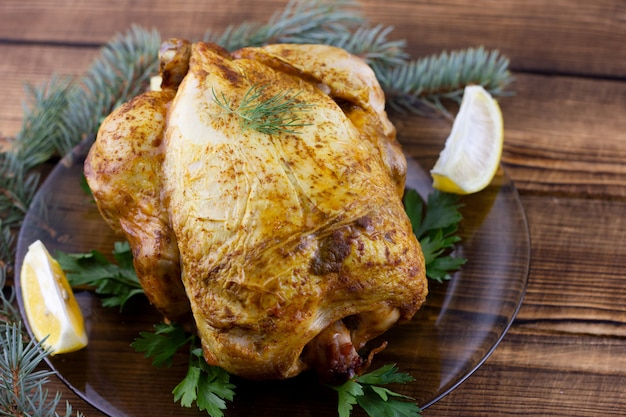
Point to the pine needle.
(421, 85)
(301, 21)
(65, 112)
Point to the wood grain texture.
(563, 36)
(565, 149)
(33, 65)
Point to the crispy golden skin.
(294, 248)
(123, 169)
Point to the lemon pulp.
(472, 152)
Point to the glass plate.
(451, 336)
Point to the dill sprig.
(271, 114)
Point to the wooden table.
(565, 149)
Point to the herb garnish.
(435, 225)
(271, 114)
(116, 282)
(209, 386)
(365, 390)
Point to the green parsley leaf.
(348, 394)
(118, 283)
(435, 225)
(163, 343)
(376, 401)
(208, 386)
(376, 406)
(387, 374)
(214, 388)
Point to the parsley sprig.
(208, 386)
(435, 225)
(117, 283)
(271, 114)
(377, 401)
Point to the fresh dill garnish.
(366, 391)
(435, 225)
(271, 114)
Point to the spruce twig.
(64, 112)
(301, 21)
(121, 71)
(421, 85)
(8, 313)
(22, 381)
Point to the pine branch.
(22, 384)
(22, 380)
(421, 85)
(301, 21)
(63, 113)
(8, 313)
(121, 71)
(371, 44)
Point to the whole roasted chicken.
(283, 240)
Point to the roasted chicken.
(290, 248)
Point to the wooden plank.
(572, 250)
(539, 374)
(95, 22)
(553, 128)
(34, 65)
(538, 36)
(552, 124)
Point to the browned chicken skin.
(293, 248)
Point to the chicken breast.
(293, 244)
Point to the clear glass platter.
(460, 325)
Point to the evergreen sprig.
(301, 21)
(8, 313)
(22, 381)
(121, 72)
(63, 112)
(421, 85)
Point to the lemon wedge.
(472, 152)
(51, 308)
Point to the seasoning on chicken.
(292, 246)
